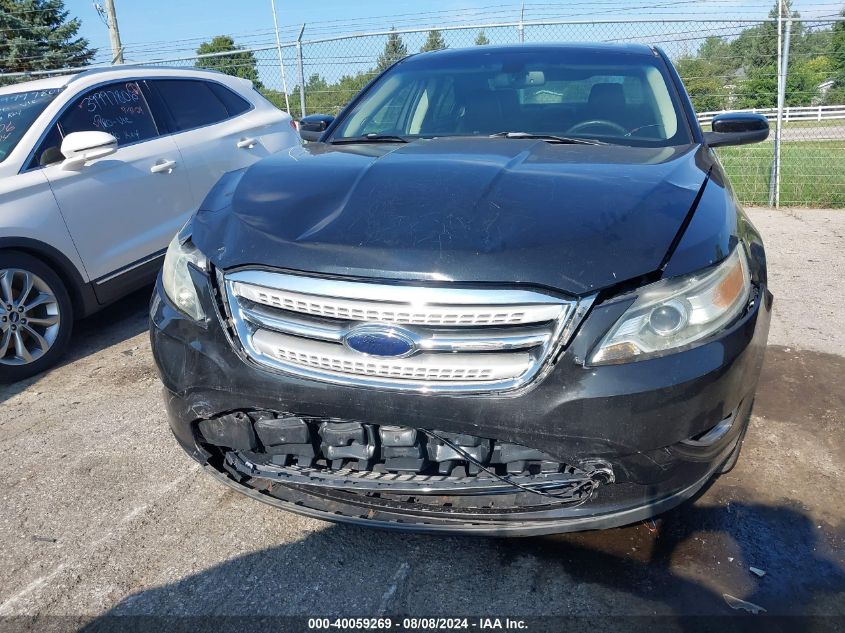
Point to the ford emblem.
(378, 340)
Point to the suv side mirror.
(737, 128)
(80, 147)
(311, 127)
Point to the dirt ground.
(102, 513)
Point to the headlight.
(674, 313)
(176, 278)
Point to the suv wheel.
(36, 316)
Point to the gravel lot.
(103, 514)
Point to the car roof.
(116, 72)
(586, 47)
(39, 84)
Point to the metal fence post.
(782, 99)
(775, 171)
(281, 59)
(301, 71)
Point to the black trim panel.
(120, 283)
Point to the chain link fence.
(725, 65)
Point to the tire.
(36, 330)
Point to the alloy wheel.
(29, 317)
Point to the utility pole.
(281, 59)
(781, 105)
(114, 33)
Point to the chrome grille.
(462, 339)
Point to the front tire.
(36, 316)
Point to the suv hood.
(576, 218)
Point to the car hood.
(576, 218)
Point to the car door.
(213, 128)
(121, 210)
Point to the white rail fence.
(790, 113)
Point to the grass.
(812, 173)
(812, 123)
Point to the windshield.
(18, 110)
(609, 96)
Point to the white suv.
(98, 171)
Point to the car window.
(235, 104)
(119, 108)
(387, 116)
(614, 97)
(18, 111)
(48, 151)
(191, 103)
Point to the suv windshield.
(610, 96)
(18, 110)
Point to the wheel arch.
(82, 296)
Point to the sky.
(157, 29)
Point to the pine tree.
(481, 40)
(37, 35)
(394, 50)
(435, 42)
(237, 64)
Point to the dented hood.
(576, 218)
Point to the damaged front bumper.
(587, 447)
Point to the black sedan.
(508, 290)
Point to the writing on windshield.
(18, 111)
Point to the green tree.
(706, 86)
(709, 75)
(321, 97)
(743, 72)
(37, 35)
(836, 95)
(239, 64)
(802, 84)
(435, 42)
(481, 40)
(757, 46)
(394, 50)
(837, 44)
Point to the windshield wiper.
(371, 138)
(550, 138)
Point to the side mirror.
(737, 128)
(79, 148)
(311, 127)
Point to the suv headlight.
(675, 313)
(176, 277)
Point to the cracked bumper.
(633, 416)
